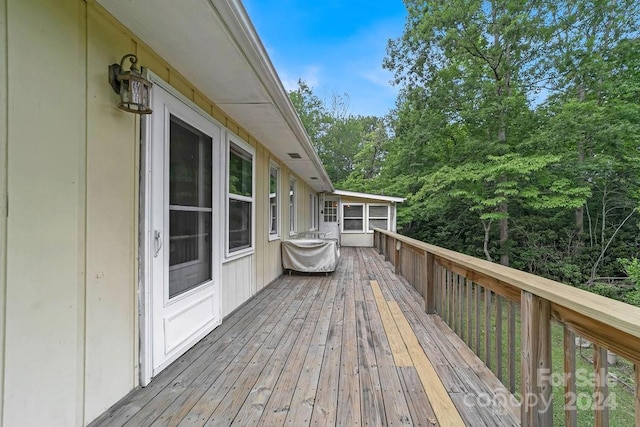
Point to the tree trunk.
(487, 229)
(505, 93)
(504, 236)
(580, 210)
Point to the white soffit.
(214, 45)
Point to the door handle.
(157, 243)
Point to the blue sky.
(336, 46)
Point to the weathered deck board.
(449, 353)
(347, 349)
(349, 388)
(395, 404)
(326, 404)
(279, 404)
(188, 406)
(304, 397)
(133, 402)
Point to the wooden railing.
(507, 317)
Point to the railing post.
(536, 407)
(397, 249)
(430, 285)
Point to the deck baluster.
(601, 395)
(636, 368)
(430, 293)
(570, 414)
(477, 314)
(460, 305)
(487, 327)
(511, 331)
(498, 337)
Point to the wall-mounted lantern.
(132, 87)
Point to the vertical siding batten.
(3, 192)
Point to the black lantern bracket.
(116, 69)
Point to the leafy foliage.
(516, 134)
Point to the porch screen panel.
(378, 217)
(190, 209)
(353, 217)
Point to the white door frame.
(146, 239)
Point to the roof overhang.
(368, 196)
(216, 47)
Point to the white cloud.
(380, 77)
(310, 74)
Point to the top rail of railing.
(603, 310)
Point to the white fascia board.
(368, 196)
(243, 31)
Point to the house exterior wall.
(357, 240)
(45, 272)
(70, 330)
(363, 239)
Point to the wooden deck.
(353, 348)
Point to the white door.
(329, 217)
(183, 242)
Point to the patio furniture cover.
(310, 255)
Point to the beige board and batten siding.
(3, 182)
(363, 239)
(243, 277)
(71, 234)
(45, 292)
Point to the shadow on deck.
(353, 348)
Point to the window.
(330, 211)
(353, 217)
(240, 199)
(190, 207)
(313, 209)
(274, 190)
(378, 217)
(292, 206)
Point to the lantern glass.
(133, 88)
(134, 93)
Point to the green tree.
(481, 56)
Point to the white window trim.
(313, 207)
(278, 234)
(234, 139)
(293, 220)
(342, 221)
(388, 218)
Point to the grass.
(621, 398)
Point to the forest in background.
(515, 137)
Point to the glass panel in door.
(190, 207)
